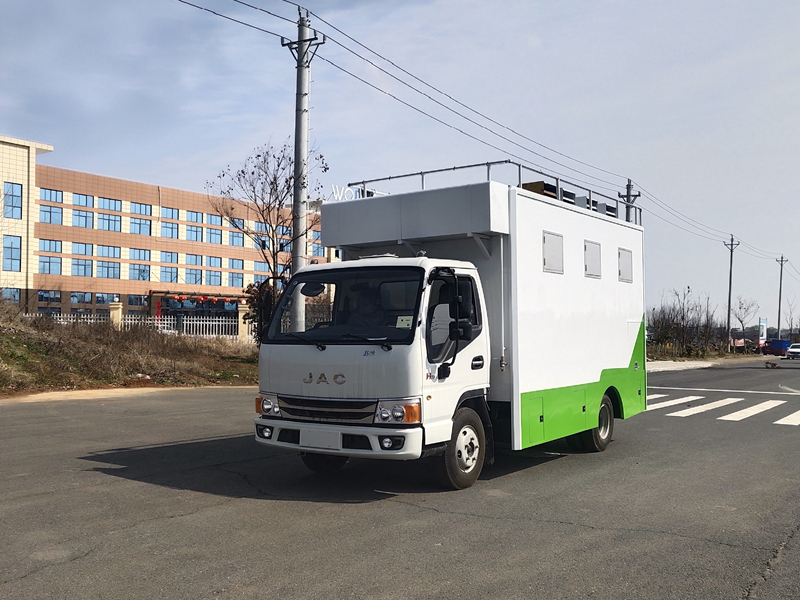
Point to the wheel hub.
(467, 448)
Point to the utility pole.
(303, 50)
(782, 262)
(732, 246)
(629, 198)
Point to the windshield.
(349, 306)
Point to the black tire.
(461, 464)
(323, 464)
(597, 439)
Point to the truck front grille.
(327, 410)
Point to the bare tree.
(791, 306)
(256, 199)
(743, 311)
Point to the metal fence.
(205, 327)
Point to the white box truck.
(459, 320)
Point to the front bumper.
(346, 440)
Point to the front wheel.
(462, 461)
(597, 439)
(324, 464)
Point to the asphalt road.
(165, 495)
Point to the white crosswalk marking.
(667, 403)
(704, 407)
(753, 410)
(792, 419)
(655, 396)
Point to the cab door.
(467, 359)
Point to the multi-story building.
(74, 242)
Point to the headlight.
(401, 410)
(267, 405)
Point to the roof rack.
(592, 200)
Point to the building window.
(194, 233)
(49, 246)
(81, 267)
(50, 214)
(194, 217)
(213, 278)
(194, 277)
(213, 220)
(169, 213)
(50, 265)
(214, 236)
(169, 230)
(139, 254)
(213, 261)
(11, 295)
(51, 195)
(83, 218)
(236, 223)
(169, 257)
(137, 272)
(235, 263)
(169, 275)
(141, 209)
(317, 250)
(194, 259)
(80, 297)
(12, 253)
(83, 200)
(261, 266)
(84, 249)
(137, 300)
(259, 279)
(140, 226)
(49, 296)
(316, 235)
(109, 222)
(108, 251)
(285, 230)
(105, 299)
(109, 204)
(286, 246)
(236, 280)
(12, 203)
(107, 269)
(236, 238)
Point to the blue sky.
(697, 102)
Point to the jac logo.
(338, 379)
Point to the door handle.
(477, 363)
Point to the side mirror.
(461, 330)
(461, 304)
(443, 372)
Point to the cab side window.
(439, 345)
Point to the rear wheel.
(323, 463)
(597, 439)
(462, 461)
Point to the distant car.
(793, 351)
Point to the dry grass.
(38, 355)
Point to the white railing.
(72, 317)
(206, 327)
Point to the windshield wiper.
(379, 341)
(319, 345)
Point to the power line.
(208, 10)
(272, 14)
(458, 102)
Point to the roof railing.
(594, 201)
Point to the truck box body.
(563, 288)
